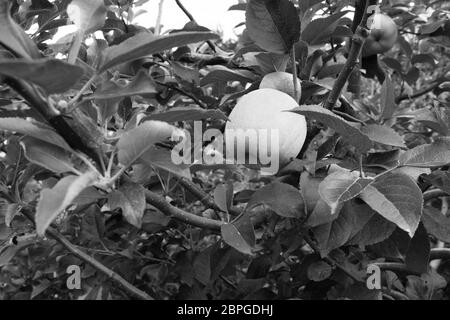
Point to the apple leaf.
(282, 198)
(397, 198)
(274, 25)
(432, 155)
(336, 233)
(418, 253)
(141, 84)
(87, 15)
(377, 229)
(440, 179)
(223, 196)
(341, 186)
(436, 223)
(162, 158)
(13, 37)
(320, 30)
(345, 129)
(53, 201)
(47, 155)
(387, 102)
(34, 129)
(239, 234)
(134, 143)
(49, 74)
(130, 197)
(383, 134)
(319, 271)
(424, 58)
(221, 74)
(144, 43)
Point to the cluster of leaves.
(88, 128)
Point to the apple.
(382, 37)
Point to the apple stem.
(294, 74)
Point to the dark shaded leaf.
(418, 253)
(142, 84)
(440, 179)
(13, 37)
(423, 58)
(282, 198)
(33, 129)
(220, 75)
(393, 64)
(319, 30)
(130, 197)
(319, 271)
(145, 43)
(49, 74)
(274, 25)
(387, 100)
(436, 223)
(239, 234)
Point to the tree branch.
(395, 267)
(160, 203)
(52, 116)
(53, 233)
(358, 39)
(439, 253)
(435, 193)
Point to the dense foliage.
(88, 123)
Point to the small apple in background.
(383, 35)
(281, 81)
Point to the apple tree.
(89, 122)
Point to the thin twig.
(72, 103)
(187, 94)
(418, 93)
(191, 18)
(203, 197)
(294, 74)
(158, 19)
